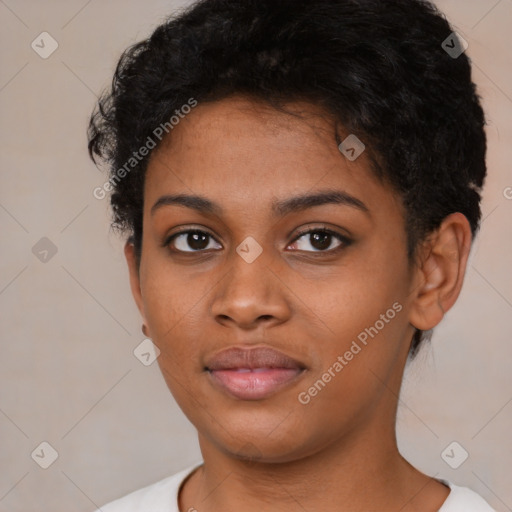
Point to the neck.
(358, 472)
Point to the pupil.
(323, 238)
(193, 240)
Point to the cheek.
(363, 295)
(364, 308)
(170, 294)
(358, 373)
(173, 311)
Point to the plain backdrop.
(68, 374)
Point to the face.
(283, 323)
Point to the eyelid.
(323, 228)
(186, 230)
(344, 240)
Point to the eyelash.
(345, 241)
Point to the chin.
(259, 437)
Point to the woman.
(300, 186)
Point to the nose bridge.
(251, 290)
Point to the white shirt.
(162, 496)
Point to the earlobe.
(134, 273)
(441, 272)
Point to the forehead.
(245, 154)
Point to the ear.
(441, 272)
(133, 268)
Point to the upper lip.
(259, 357)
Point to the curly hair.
(377, 67)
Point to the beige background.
(68, 375)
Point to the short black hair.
(378, 68)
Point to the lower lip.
(256, 384)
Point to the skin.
(339, 451)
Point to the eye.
(192, 238)
(195, 240)
(321, 239)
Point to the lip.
(253, 373)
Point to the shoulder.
(462, 499)
(161, 496)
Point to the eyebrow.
(279, 207)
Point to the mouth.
(253, 374)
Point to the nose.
(251, 294)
